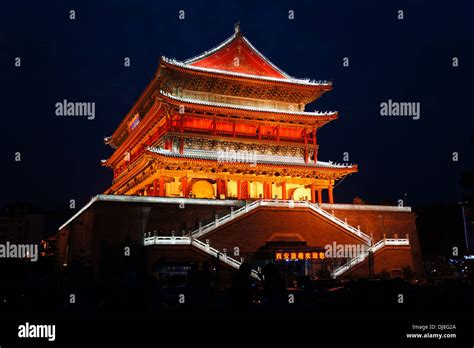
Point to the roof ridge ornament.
(237, 28)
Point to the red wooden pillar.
(184, 186)
(181, 139)
(214, 127)
(238, 189)
(330, 194)
(162, 187)
(283, 190)
(313, 194)
(259, 133)
(233, 129)
(168, 144)
(304, 134)
(221, 188)
(265, 191)
(244, 190)
(315, 143)
(170, 123)
(320, 196)
(155, 187)
(270, 193)
(278, 133)
(147, 190)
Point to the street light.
(464, 222)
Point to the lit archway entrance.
(203, 189)
(300, 193)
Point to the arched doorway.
(203, 189)
(300, 193)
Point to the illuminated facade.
(199, 161)
(227, 124)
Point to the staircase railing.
(191, 239)
(362, 256)
(221, 256)
(341, 223)
(202, 230)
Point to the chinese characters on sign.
(295, 256)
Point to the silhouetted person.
(153, 294)
(242, 287)
(199, 285)
(308, 289)
(192, 275)
(206, 276)
(274, 290)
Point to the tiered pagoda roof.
(255, 65)
(259, 158)
(253, 70)
(317, 117)
(231, 97)
(215, 71)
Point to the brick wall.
(118, 223)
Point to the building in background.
(21, 223)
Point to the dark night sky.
(82, 60)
